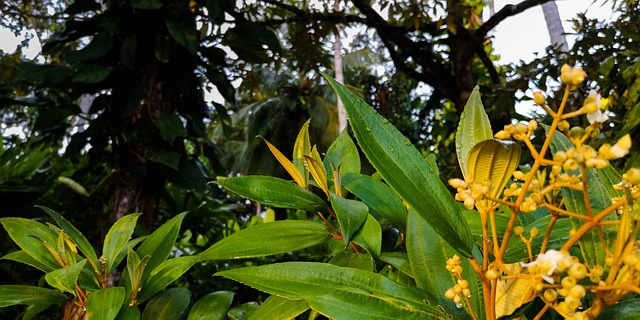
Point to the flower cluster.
(469, 193)
(461, 288)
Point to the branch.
(401, 48)
(486, 61)
(506, 12)
(319, 16)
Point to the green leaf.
(369, 236)
(473, 128)
(183, 34)
(170, 127)
(23, 257)
(164, 275)
(624, 310)
(91, 73)
(42, 73)
(343, 153)
(169, 158)
(274, 192)
(351, 215)
(268, 239)
(301, 148)
(65, 279)
(104, 304)
(517, 250)
(405, 170)
(117, 238)
(30, 236)
(379, 197)
(363, 261)
(146, 4)
(169, 304)
(276, 308)
(129, 313)
(399, 260)
(337, 292)
(213, 306)
(428, 254)
(600, 185)
(493, 161)
(160, 243)
(76, 236)
(243, 311)
(14, 294)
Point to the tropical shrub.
(554, 237)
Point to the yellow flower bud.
(502, 135)
(491, 274)
(590, 108)
(578, 291)
(533, 125)
(551, 295)
(633, 176)
(568, 282)
(521, 128)
(560, 156)
(449, 294)
(534, 232)
(518, 230)
(563, 125)
(518, 175)
(624, 142)
(538, 98)
(576, 132)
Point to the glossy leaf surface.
(268, 239)
(104, 304)
(338, 292)
(213, 306)
(273, 192)
(379, 197)
(351, 215)
(405, 170)
(15, 294)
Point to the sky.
(518, 37)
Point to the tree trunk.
(554, 26)
(337, 61)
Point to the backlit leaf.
(378, 196)
(289, 166)
(473, 128)
(493, 161)
(65, 279)
(278, 308)
(301, 148)
(511, 294)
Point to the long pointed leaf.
(104, 304)
(278, 308)
(170, 304)
(428, 254)
(338, 292)
(473, 128)
(379, 197)
(213, 306)
(600, 184)
(369, 236)
(65, 279)
(160, 243)
(165, 274)
(301, 148)
(31, 236)
(14, 294)
(274, 192)
(117, 238)
(405, 170)
(76, 236)
(351, 215)
(268, 239)
(287, 165)
(23, 257)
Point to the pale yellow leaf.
(493, 161)
(318, 172)
(287, 164)
(511, 294)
